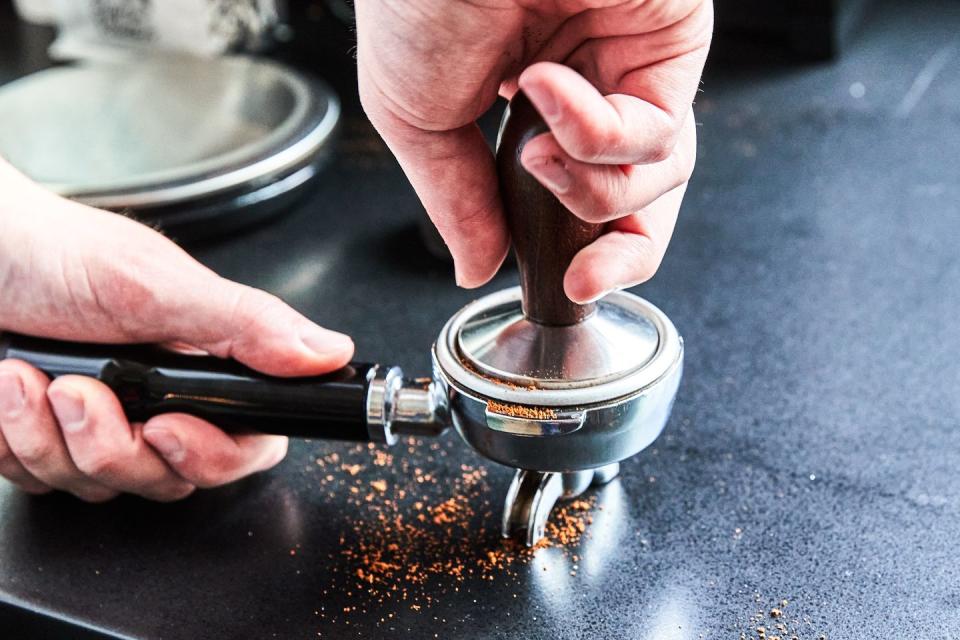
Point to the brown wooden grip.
(546, 236)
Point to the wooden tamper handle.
(546, 235)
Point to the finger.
(629, 253)
(454, 175)
(103, 444)
(34, 437)
(613, 129)
(599, 193)
(12, 470)
(204, 455)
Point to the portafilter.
(561, 392)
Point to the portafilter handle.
(360, 402)
(546, 235)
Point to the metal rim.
(293, 142)
(288, 157)
(668, 353)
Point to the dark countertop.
(813, 449)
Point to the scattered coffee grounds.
(408, 546)
(520, 411)
(776, 624)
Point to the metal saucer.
(195, 145)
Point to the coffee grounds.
(409, 546)
(778, 623)
(521, 411)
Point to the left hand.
(71, 272)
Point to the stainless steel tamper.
(561, 392)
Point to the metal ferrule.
(384, 382)
(401, 406)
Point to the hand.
(75, 273)
(614, 80)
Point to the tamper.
(561, 392)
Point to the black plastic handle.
(150, 381)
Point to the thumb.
(231, 320)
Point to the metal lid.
(490, 349)
(162, 129)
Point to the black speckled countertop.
(813, 451)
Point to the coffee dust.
(411, 543)
(778, 623)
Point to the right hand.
(614, 80)
(71, 272)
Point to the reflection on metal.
(398, 405)
(533, 494)
(560, 424)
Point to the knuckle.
(35, 451)
(253, 313)
(603, 201)
(101, 464)
(647, 270)
(660, 149)
(610, 142)
(100, 286)
(593, 146)
(256, 306)
(594, 280)
(609, 199)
